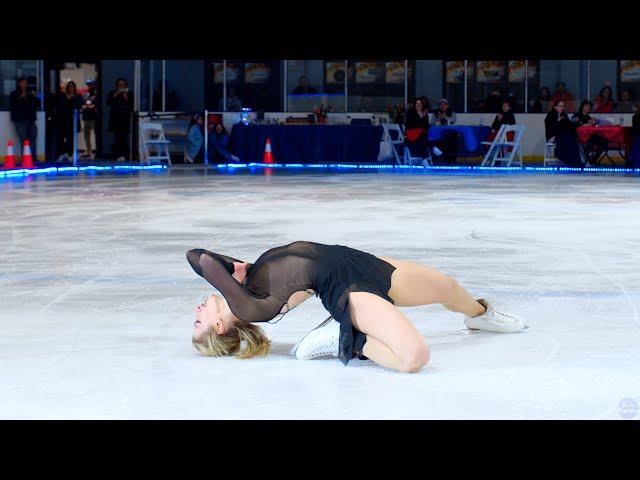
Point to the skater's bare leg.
(414, 284)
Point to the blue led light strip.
(34, 171)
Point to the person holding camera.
(24, 105)
(121, 102)
(89, 116)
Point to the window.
(495, 81)
(375, 86)
(183, 83)
(454, 82)
(311, 83)
(11, 71)
(628, 85)
(428, 81)
(151, 85)
(562, 79)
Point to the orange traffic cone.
(27, 159)
(10, 162)
(268, 155)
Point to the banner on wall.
(490, 71)
(369, 72)
(334, 72)
(394, 73)
(233, 72)
(516, 70)
(455, 71)
(257, 73)
(629, 71)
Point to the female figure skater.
(360, 291)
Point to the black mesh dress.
(331, 271)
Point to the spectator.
(24, 105)
(68, 102)
(493, 103)
(417, 129)
(505, 117)
(562, 131)
(625, 105)
(234, 104)
(194, 148)
(543, 101)
(121, 102)
(89, 116)
(444, 115)
(634, 157)
(595, 144)
(219, 145)
(304, 87)
(604, 100)
(561, 94)
(582, 117)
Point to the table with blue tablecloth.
(472, 136)
(307, 143)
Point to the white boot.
(319, 342)
(494, 320)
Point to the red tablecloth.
(620, 136)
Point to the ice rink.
(97, 299)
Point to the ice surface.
(97, 299)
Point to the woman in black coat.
(121, 102)
(505, 117)
(68, 102)
(634, 157)
(417, 119)
(562, 131)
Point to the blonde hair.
(256, 342)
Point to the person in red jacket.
(604, 101)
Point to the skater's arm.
(218, 270)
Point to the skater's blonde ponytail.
(255, 342)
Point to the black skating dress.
(331, 271)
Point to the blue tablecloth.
(472, 135)
(308, 143)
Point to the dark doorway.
(86, 75)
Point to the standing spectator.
(194, 148)
(625, 105)
(417, 129)
(89, 117)
(234, 104)
(68, 102)
(505, 117)
(24, 105)
(219, 145)
(634, 157)
(493, 103)
(303, 87)
(604, 100)
(561, 94)
(541, 105)
(444, 115)
(562, 131)
(121, 102)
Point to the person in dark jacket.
(542, 102)
(416, 125)
(562, 131)
(505, 117)
(24, 105)
(89, 116)
(595, 144)
(634, 158)
(121, 102)
(68, 102)
(219, 145)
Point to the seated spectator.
(219, 145)
(561, 94)
(604, 101)
(444, 115)
(595, 144)
(543, 101)
(493, 103)
(505, 117)
(303, 87)
(234, 104)
(562, 131)
(194, 148)
(625, 105)
(417, 129)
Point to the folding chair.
(506, 151)
(550, 155)
(155, 147)
(392, 133)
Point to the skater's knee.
(415, 357)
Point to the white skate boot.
(319, 342)
(494, 320)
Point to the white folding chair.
(492, 149)
(505, 151)
(392, 133)
(155, 147)
(550, 155)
